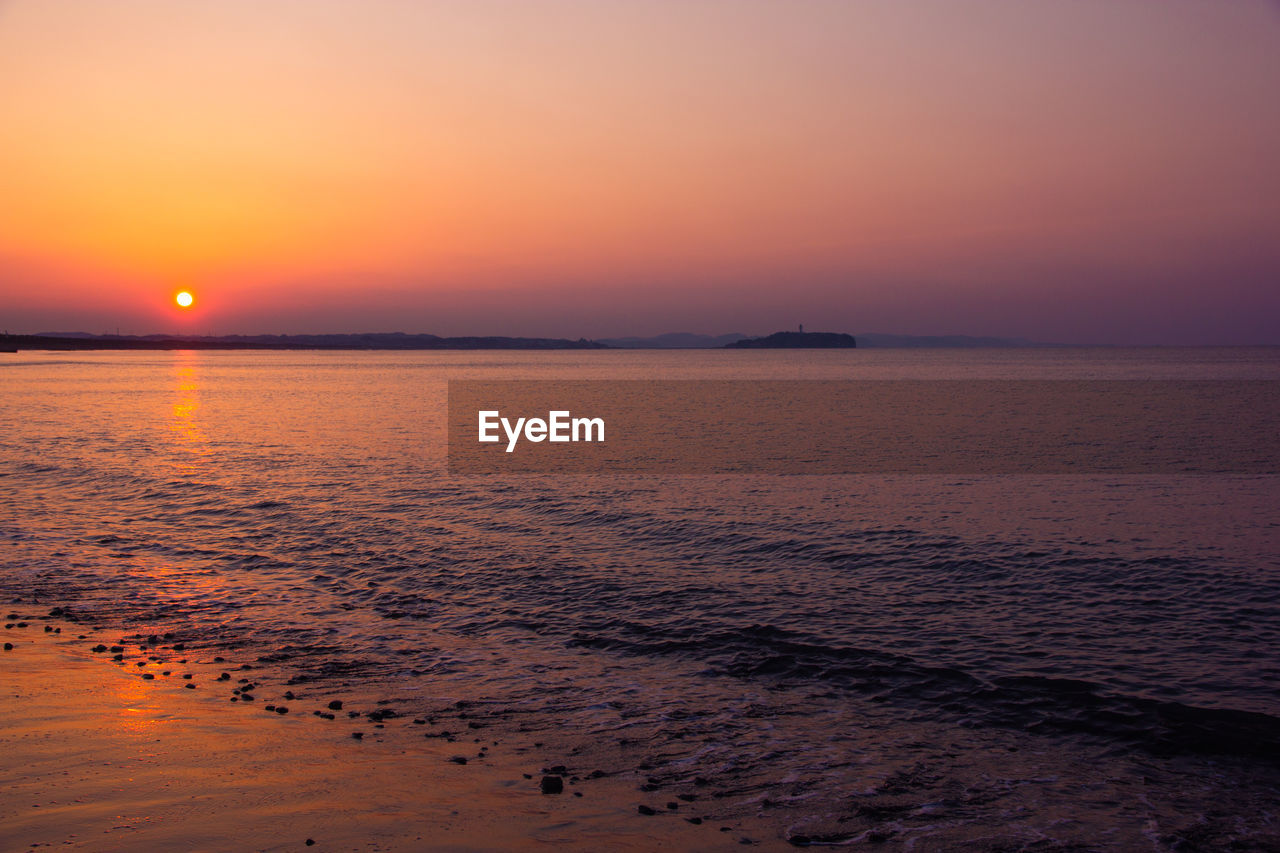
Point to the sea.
(927, 661)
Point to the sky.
(1093, 171)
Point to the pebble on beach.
(552, 785)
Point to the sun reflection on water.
(184, 425)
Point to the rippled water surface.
(931, 661)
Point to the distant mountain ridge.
(675, 340)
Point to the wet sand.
(97, 757)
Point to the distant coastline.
(405, 341)
(368, 341)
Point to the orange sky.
(1092, 170)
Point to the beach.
(99, 758)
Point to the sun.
(184, 299)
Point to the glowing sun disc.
(184, 299)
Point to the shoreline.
(100, 757)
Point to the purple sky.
(1092, 171)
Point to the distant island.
(797, 340)
(865, 340)
(365, 341)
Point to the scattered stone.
(8, 647)
(577, 793)
(187, 676)
(189, 686)
(288, 694)
(335, 705)
(268, 707)
(673, 805)
(117, 649)
(57, 611)
(552, 785)
(153, 639)
(696, 821)
(419, 722)
(48, 629)
(645, 810)
(688, 798)
(357, 735)
(246, 697)
(179, 647)
(148, 676)
(310, 842)
(224, 677)
(459, 759)
(99, 649)
(222, 660)
(281, 709)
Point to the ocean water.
(929, 661)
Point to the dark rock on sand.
(357, 735)
(552, 785)
(8, 647)
(645, 810)
(335, 705)
(148, 676)
(459, 759)
(99, 648)
(189, 686)
(281, 709)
